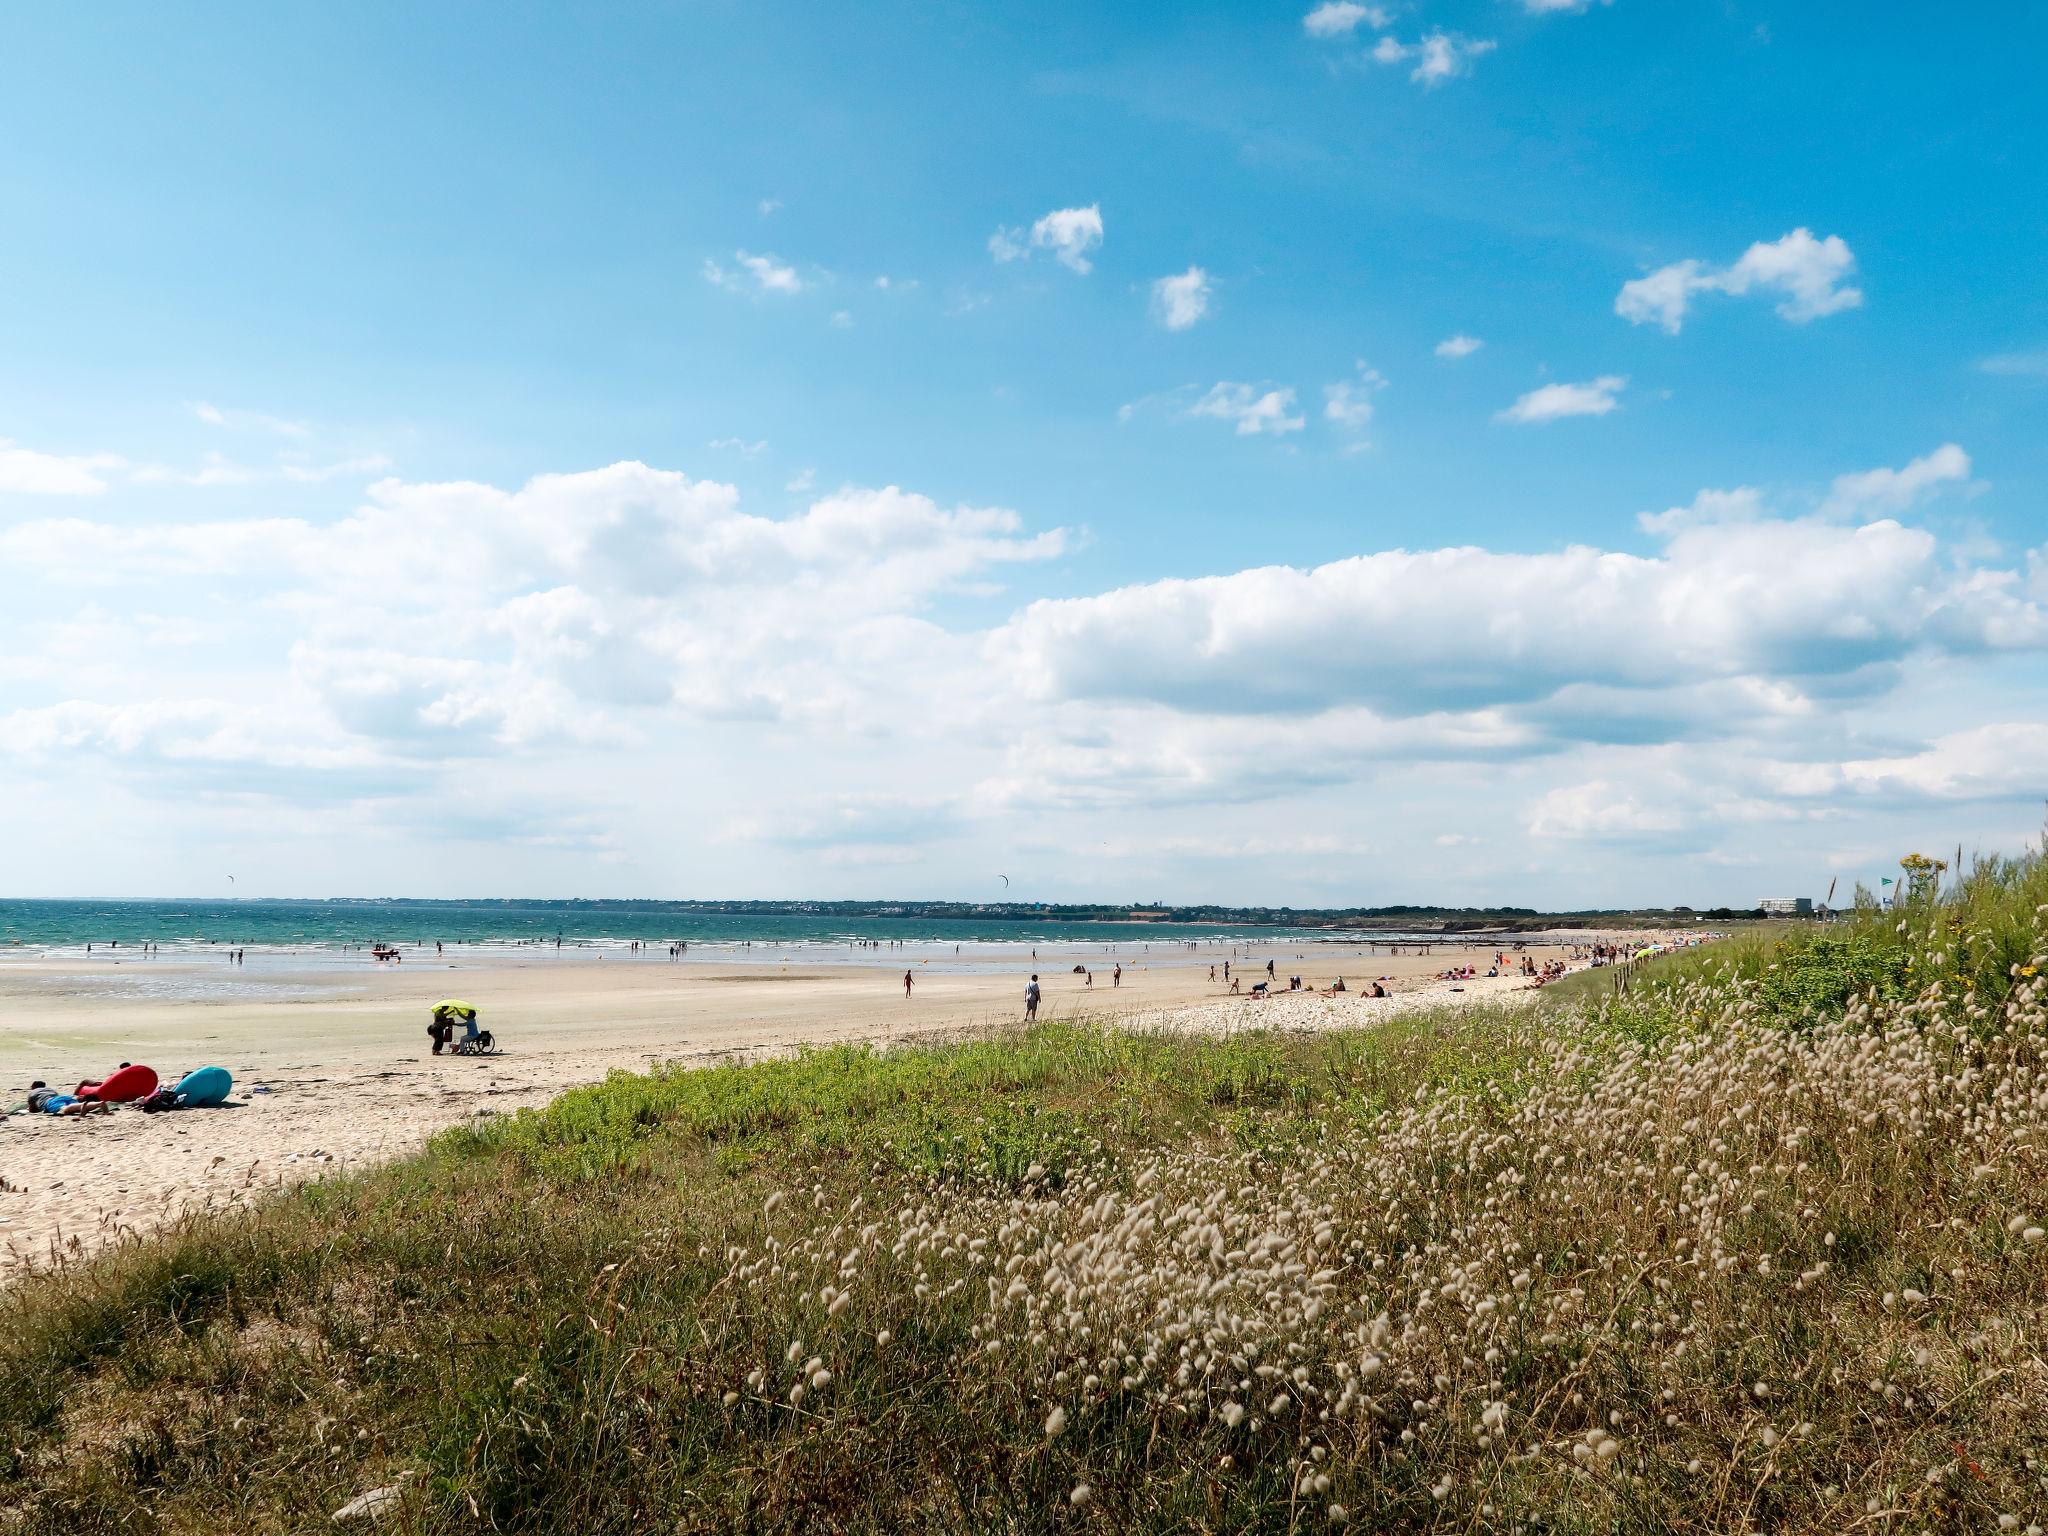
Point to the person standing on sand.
(906, 983)
(1116, 977)
(1031, 996)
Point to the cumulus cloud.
(1988, 762)
(1458, 346)
(1885, 492)
(1806, 273)
(580, 594)
(1254, 409)
(1068, 234)
(1553, 402)
(1179, 301)
(1402, 633)
(756, 274)
(2007, 760)
(450, 643)
(1437, 56)
(1341, 18)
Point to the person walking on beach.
(1031, 996)
(1116, 977)
(906, 983)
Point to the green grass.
(535, 1323)
(255, 1372)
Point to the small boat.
(384, 952)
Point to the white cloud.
(740, 446)
(1807, 273)
(1598, 810)
(628, 633)
(2025, 365)
(757, 274)
(249, 421)
(1341, 18)
(215, 468)
(2003, 761)
(767, 205)
(581, 593)
(338, 469)
(1068, 233)
(1458, 346)
(1438, 56)
(1786, 601)
(26, 472)
(1742, 505)
(1884, 492)
(1559, 7)
(1178, 302)
(1252, 408)
(1347, 404)
(1553, 402)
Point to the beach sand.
(340, 1052)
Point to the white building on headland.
(1786, 906)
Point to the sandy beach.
(332, 1065)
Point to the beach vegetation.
(1758, 1242)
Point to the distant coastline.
(354, 922)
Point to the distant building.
(1787, 906)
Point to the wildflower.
(1055, 1422)
(1339, 1515)
(882, 1339)
(773, 1201)
(730, 1398)
(1081, 1495)
(1233, 1414)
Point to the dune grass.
(1756, 1246)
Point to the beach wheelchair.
(472, 1042)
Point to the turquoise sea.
(303, 925)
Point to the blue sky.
(330, 338)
